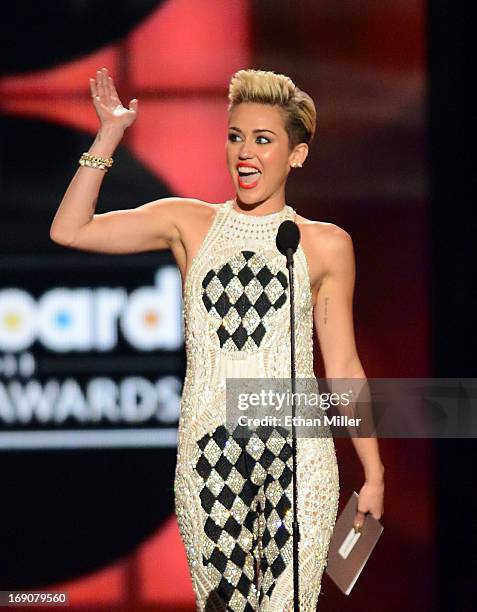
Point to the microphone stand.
(296, 530)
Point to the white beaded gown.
(233, 498)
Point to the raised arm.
(151, 226)
(333, 317)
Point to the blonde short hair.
(267, 87)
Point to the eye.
(260, 139)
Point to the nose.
(246, 150)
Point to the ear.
(298, 155)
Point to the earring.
(294, 165)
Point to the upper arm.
(333, 312)
(149, 227)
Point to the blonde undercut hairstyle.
(268, 87)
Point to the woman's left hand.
(371, 499)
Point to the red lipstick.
(243, 184)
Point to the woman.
(233, 497)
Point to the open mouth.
(248, 176)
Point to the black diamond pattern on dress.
(269, 296)
(222, 466)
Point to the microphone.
(287, 241)
(288, 238)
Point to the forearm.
(367, 448)
(79, 201)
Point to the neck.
(262, 207)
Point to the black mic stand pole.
(296, 530)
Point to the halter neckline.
(269, 216)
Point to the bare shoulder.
(186, 209)
(326, 242)
(185, 216)
(323, 232)
(201, 207)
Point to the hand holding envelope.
(349, 547)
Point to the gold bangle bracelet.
(95, 161)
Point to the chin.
(250, 198)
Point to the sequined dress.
(233, 498)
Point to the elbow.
(60, 238)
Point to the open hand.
(107, 104)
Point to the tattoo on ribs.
(326, 310)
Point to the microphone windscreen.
(288, 236)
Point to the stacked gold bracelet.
(95, 161)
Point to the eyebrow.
(231, 127)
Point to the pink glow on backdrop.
(68, 78)
(172, 583)
(190, 45)
(183, 141)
